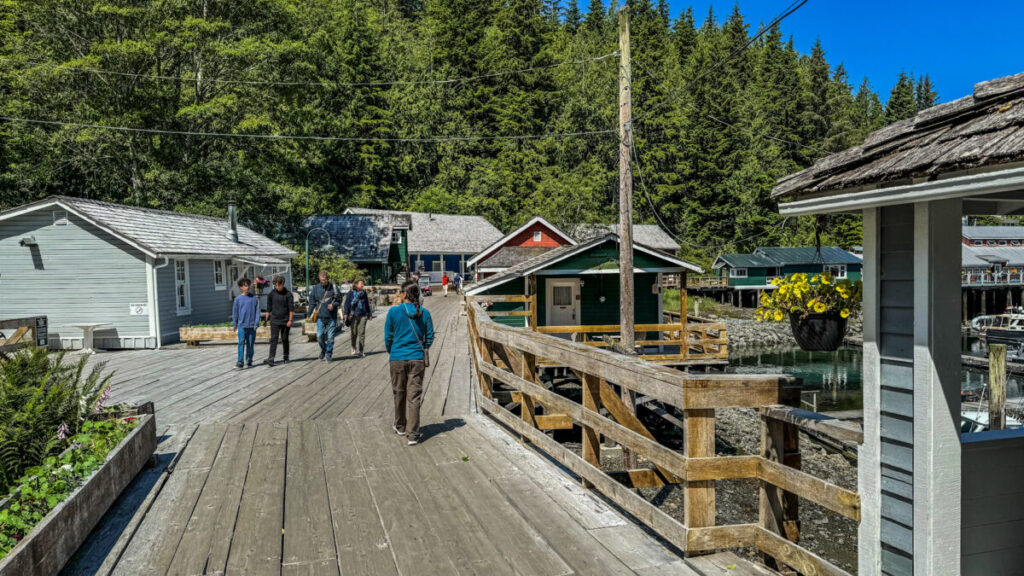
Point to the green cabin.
(376, 243)
(748, 274)
(578, 285)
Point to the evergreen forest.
(503, 108)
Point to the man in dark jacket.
(323, 298)
(280, 310)
(355, 314)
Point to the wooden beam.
(499, 313)
(591, 439)
(639, 478)
(529, 373)
(997, 386)
(803, 561)
(626, 415)
(720, 537)
(553, 422)
(835, 498)
(711, 392)
(778, 509)
(498, 298)
(699, 442)
(722, 467)
(815, 422)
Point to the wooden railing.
(508, 363)
(707, 282)
(17, 333)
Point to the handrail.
(507, 358)
(707, 282)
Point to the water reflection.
(834, 379)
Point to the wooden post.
(779, 510)
(533, 302)
(591, 439)
(699, 442)
(684, 346)
(528, 410)
(964, 319)
(625, 188)
(996, 386)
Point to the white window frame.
(182, 283)
(396, 237)
(223, 284)
(437, 265)
(537, 236)
(738, 273)
(60, 218)
(841, 268)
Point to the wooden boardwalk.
(295, 470)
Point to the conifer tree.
(901, 103)
(684, 35)
(925, 95)
(573, 17)
(596, 16)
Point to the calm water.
(836, 378)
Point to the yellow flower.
(826, 279)
(845, 312)
(783, 290)
(778, 315)
(819, 307)
(776, 281)
(814, 278)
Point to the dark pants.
(358, 333)
(278, 330)
(407, 387)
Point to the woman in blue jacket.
(408, 333)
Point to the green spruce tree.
(901, 103)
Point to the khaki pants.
(407, 387)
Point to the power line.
(322, 83)
(787, 12)
(314, 138)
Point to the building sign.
(138, 309)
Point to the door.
(563, 302)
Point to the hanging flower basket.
(818, 332)
(817, 307)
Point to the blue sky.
(957, 43)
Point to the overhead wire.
(322, 83)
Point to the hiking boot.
(269, 362)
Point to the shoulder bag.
(426, 351)
(316, 311)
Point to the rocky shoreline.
(746, 332)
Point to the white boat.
(1004, 329)
(974, 418)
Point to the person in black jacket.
(324, 299)
(356, 313)
(280, 311)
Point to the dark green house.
(579, 285)
(377, 243)
(748, 274)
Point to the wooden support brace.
(699, 495)
(529, 373)
(591, 439)
(779, 509)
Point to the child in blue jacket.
(408, 333)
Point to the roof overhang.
(500, 242)
(986, 192)
(56, 202)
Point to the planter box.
(309, 331)
(55, 539)
(196, 334)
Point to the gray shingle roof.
(994, 232)
(983, 129)
(744, 261)
(512, 255)
(985, 255)
(808, 255)
(444, 233)
(358, 237)
(650, 235)
(163, 232)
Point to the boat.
(1004, 329)
(975, 419)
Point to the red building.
(528, 241)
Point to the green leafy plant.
(802, 295)
(41, 394)
(45, 486)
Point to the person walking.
(280, 312)
(323, 300)
(245, 316)
(356, 313)
(444, 284)
(457, 282)
(408, 334)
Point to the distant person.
(280, 312)
(323, 301)
(444, 284)
(457, 282)
(245, 317)
(408, 333)
(356, 313)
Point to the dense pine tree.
(717, 121)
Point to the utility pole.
(626, 316)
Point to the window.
(219, 279)
(181, 289)
(737, 273)
(979, 243)
(537, 236)
(60, 218)
(836, 270)
(561, 295)
(1002, 242)
(436, 264)
(1015, 243)
(991, 242)
(396, 237)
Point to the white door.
(563, 302)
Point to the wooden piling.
(996, 386)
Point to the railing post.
(591, 439)
(699, 442)
(779, 511)
(528, 410)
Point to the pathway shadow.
(436, 428)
